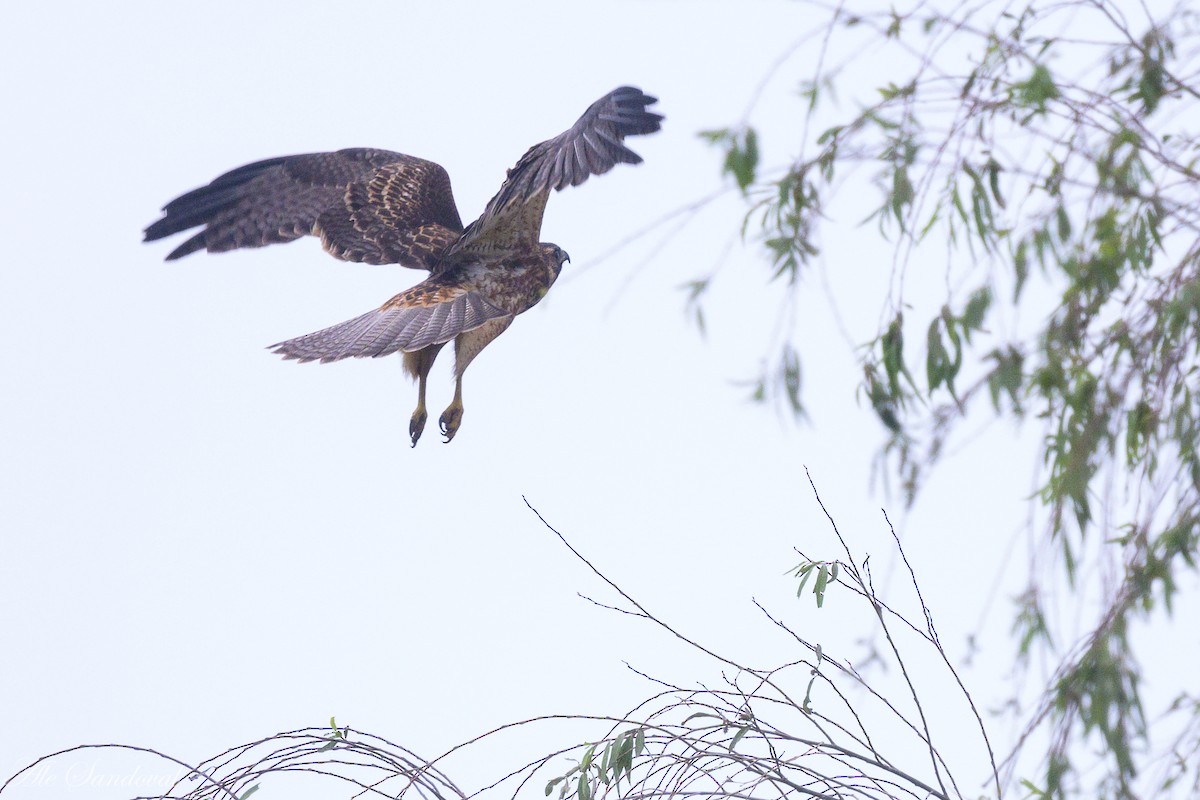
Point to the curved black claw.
(416, 425)
(450, 420)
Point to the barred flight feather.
(385, 331)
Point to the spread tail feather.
(389, 330)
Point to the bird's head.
(556, 254)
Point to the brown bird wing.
(428, 313)
(366, 205)
(592, 146)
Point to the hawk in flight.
(381, 207)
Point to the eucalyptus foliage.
(1039, 157)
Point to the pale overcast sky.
(205, 544)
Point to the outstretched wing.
(592, 146)
(366, 205)
(424, 315)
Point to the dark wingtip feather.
(632, 105)
(158, 229)
(200, 205)
(187, 248)
(592, 146)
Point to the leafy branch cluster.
(1060, 147)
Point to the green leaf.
(695, 288)
(625, 755)
(1139, 426)
(893, 353)
(883, 402)
(893, 28)
(249, 792)
(804, 574)
(892, 91)
(1020, 267)
(1151, 87)
(737, 737)
(604, 760)
(975, 311)
(741, 152)
(993, 170)
(1064, 224)
(1037, 90)
(716, 136)
(819, 588)
(791, 379)
(937, 359)
(1007, 377)
(902, 193)
(741, 160)
(830, 134)
(806, 705)
(970, 84)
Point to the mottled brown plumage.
(380, 207)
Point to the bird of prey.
(380, 207)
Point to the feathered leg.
(418, 365)
(466, 347)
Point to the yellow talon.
(450, 420)
(452, 417)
